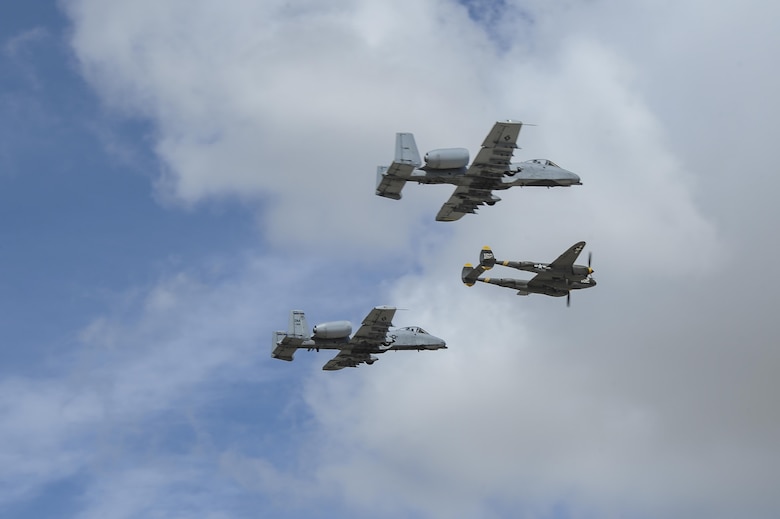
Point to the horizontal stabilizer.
(390, 185)
(284, 346)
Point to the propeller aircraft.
(555, 279)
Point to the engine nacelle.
(447, 158)
(332, 330)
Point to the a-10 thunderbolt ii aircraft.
(491, 170)
(555, 279)
(375, 335)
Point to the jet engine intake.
(332, 330)
(447, 158)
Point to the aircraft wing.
(496, 153)
(464, 200)
(373, 330)
(566, 260)
(559, 267)
(346, 358)
(372, 333)
(490, 164)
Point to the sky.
(176, 176)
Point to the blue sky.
(79, 219)
(175, 178)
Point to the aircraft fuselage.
(408, 338)
(575, 272)
(537, 172)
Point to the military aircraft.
(375, 335)
(555, 279)
(490, 171)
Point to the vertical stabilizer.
(285, 344)
(406, 150)
(390, 180)
(469, 274)
(298, 327)
(486, 258)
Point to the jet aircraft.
(375, 335)
(491, 170)
(555, 279)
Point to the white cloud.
(297, 105)
(39, 420)
(147, 374)
(651, 396)
(518, 412)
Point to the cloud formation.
(650, 397)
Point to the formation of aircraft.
(491, 170)
(374, 336)
(555, 279)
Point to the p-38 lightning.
(491, 170)
(375, 335)
(555, 279)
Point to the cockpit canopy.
(543, 162)
(415, 329)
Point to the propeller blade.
(568, 298)
(590, 269)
